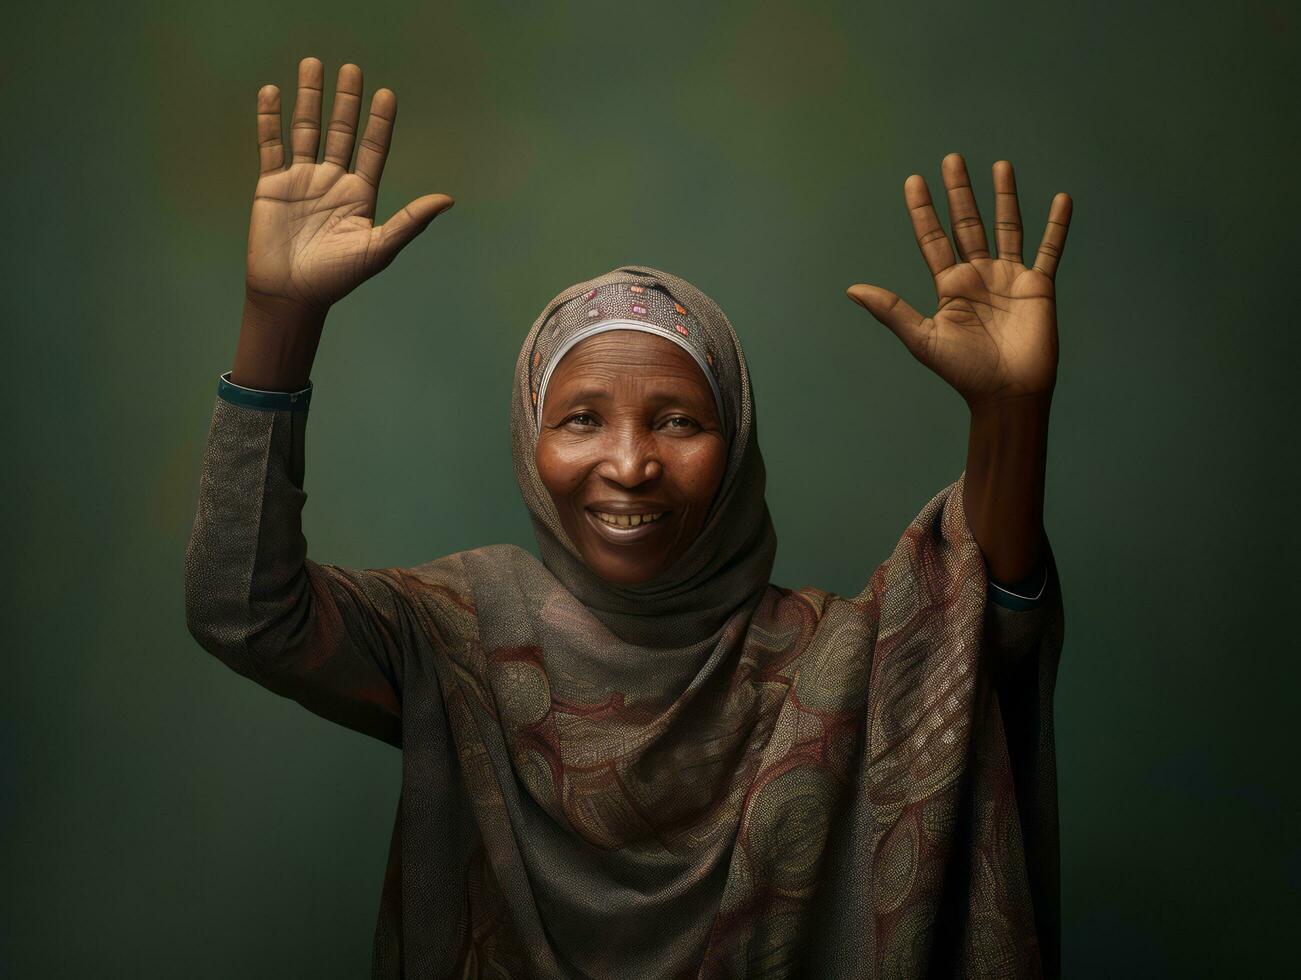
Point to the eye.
(583, 420)
(680, 423)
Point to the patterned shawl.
(711, 776)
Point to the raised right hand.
(312, 237)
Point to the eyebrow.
(586, 395)
(657, 394)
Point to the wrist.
(282, 314)
(1013, 412)
(277, 345)
(1004, 489)
(1008, 440)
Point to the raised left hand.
(993, 335)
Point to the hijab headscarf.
(708, 775)
(730, 562)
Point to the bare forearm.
(1004, 487)
(277, 345)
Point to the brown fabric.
(709, 776)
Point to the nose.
(630, 459)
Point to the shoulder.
(466, 566)
(802, 608)
(818, 601)
(494, 568)
(817, 610)
(453, 588)
(494, 553)
(497, 559)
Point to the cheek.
(561, 468)
(698, 467)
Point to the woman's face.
(632, 452)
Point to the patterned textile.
(705, 776)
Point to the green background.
(165, 818)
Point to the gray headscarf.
(730, 562)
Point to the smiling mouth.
(626, 528)
(627, 520)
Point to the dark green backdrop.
(165, 818)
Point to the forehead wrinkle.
(605, 375)
(642, 362)
(599, 380)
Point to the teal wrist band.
(1025, 594)
(271, 401)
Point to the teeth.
(627, 520)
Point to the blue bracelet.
(272, 401)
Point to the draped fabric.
(704, 776)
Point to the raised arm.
(331, 638)
(993, 337)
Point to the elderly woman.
(634, 755)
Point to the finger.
(342, 131)
(1007, 213)
(964, 215)
(1054, 240)
(904, 322)
(395, 233)
(270, 151)
(931, 239)
(305, 134)
(373, 150)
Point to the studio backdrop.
(164, 817)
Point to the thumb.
(395, 233)
(904, 322)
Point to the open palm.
(993, 335)
(312, 237)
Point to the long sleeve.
(333, 639)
